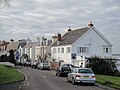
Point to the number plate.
(86, 76)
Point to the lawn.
(9, 74)
(110, 81)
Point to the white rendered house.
(77, 45)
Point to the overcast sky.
(32, 18)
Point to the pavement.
(7, 63)
(10, 86)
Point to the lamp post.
(43, 43)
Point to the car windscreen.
(85, 71)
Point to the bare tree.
(5, 2)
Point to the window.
(58, 50)
(62, 50)
(106, 50)
(68, 49)
(83, 49)
(54, 50)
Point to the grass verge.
(110, 81)
(9, 75)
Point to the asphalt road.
(46, 80)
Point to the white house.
(30, 49)
(21, 49)
(75, 45)
(44, 49)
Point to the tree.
(5, 2)
(11, 56)
(105, 66)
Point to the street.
(46, 80)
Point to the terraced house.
(77, 45)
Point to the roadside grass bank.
(110, 81)
(9, 75)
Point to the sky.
(36, 18)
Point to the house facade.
(3, 47)
(77, 45)
(30, 50)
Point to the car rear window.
(85, 71)
(66, 68)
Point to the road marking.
(44, 76)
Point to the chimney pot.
(90, 24)
(69, 29)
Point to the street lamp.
(43, 43)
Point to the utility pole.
(43, 44)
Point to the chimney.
(28, 41)
(69, 29)
(11, 40)
(90, 24)
(58, 39)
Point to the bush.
(105, 66)
(4, 58)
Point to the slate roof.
(72, 36)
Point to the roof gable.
(105, 39)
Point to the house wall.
(95, 46)
(94, 43)
(66, 57)
(39, 51)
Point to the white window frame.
(62, 50)
(68, 50)
(58, 50)
(83, 50)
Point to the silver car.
(81, 75)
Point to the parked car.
(44, 65)
(81, 75)
(34, 63)
(28, 62)
(64, 69)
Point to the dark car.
(63, 71)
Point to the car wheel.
(73, 81)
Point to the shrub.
(105, 66)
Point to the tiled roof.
(13, 45)
(71, 36)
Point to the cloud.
(32, 18)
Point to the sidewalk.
(11, 86)
(7, 63)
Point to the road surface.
(46, 80)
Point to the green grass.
(110, 81)
(9, 74)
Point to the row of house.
(73, 47)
